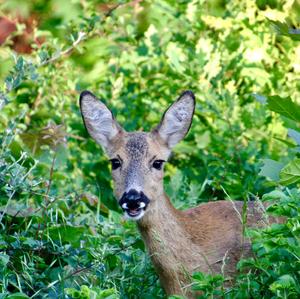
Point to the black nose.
(132, 195)
(134, 200)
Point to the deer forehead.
(137, 146)
(140, 146)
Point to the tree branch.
(81, 37)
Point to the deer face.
(137, 158)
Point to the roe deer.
(206, 238)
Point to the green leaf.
(109, 293)
(67, 234)
(285, 107)
(283, 282)
(261, 76)
(20, 63)
(271, 169)
(290, 174)
(284, 29)
(4, 259)
(203, 140)
(17, 296)
(176, 57)
(275, 195)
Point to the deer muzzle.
(134, 204)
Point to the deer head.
(137, 158)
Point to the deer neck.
(162, 231)
(162, 214)
(167, 243)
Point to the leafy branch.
(80, 38)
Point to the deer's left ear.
(177, 120)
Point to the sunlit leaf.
(176, 57)
(285, 29)
(284, 106)
(283, 282)
(290, 174)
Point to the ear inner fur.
(98, 119)
(177, 119)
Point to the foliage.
(95, 293)
(277, 247)
(274, 270)
(61, 232)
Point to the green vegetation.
(62, 234)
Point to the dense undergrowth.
(62, 235)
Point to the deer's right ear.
(98, 120)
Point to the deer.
(207, 238)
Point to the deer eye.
(157, 164)
(115, 164)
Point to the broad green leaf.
(283, 282)
(67, 234)
(285, 29)
(290, 174)
(271, 169)
(275, 195)
(285, 107)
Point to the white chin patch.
(137, 217)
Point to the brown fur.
(207, 238)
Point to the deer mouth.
(136, 212)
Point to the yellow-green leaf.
(290, 174)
